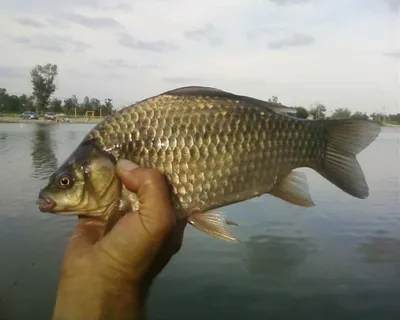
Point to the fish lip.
(46, 204)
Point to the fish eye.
(64, 181)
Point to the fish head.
(85, 184)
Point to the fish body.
(215, 149)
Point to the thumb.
(152, 190)
(137, 237)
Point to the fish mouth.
(46, 204)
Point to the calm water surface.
(338, 260)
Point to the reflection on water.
(71, 135)
(276, 256)
(381, 250)
(44, 160)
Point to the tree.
(86, 105)
(108, 106)
(341, 113)
(95, 103)
(3, 99)
(301, 113)
(359, 115)
(56, 105)
(395, 118)
(43, 78)
(274, 99)
(26, 103)
(318, 111)
(71, 104)
(13, 104)
(377, 116)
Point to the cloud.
(156, 46)
(255, 34)
(289, 2)
(295, 40)
(92, 22)
(53, 43)
(208, 33)
(123, 6)
(393, 54)
(30, 22)
(120, 63)
(393, 4)
(9, 72)
(182, 80)
(125, 64)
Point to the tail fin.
(345, 139)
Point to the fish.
(215, 148)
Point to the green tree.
(56, 105)
(86, 105)
(3, 100)
(71, 104)
(377, 116)
(395, 118)
(341, 113)
(108, 107)
(318, 112)
(359, 116)
(26, 103)
(13, 104)
(274, 99)
(95, 103)
(42, 79)
(301, 113)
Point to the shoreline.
(97, 120)
(42, 121)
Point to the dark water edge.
(338, 260)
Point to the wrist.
(93, 297)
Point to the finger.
(153, 194)
(86, 233)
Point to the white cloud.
(341, 53)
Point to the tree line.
(41, 101)
(320, 112)
(43, 87)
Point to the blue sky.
(343, 53)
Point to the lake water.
(337, 260)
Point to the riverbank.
(75, 121)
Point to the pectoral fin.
(124, 206)
(214, 224)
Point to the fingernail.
(126, 165)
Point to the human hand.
(108, 278)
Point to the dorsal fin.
(213, 92)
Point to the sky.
(342, 53)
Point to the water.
(338, 260)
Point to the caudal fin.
(345, 139)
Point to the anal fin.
(213, 224)
(294, 189)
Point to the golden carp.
(215, 149)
